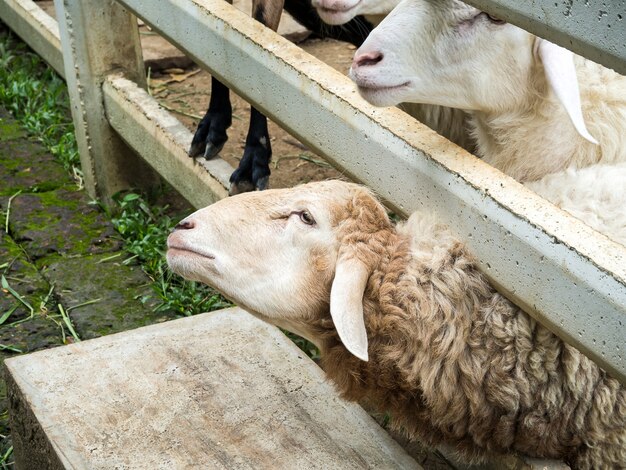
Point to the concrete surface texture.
(221, 390)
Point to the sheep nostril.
(367, 58)
(185, 225)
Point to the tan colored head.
(288, 254)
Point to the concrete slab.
(221, 390)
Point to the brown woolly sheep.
(406, 322)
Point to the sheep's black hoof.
(262, 183)
(253, 173)
(212, 149)
(243, 186)
(210, 135)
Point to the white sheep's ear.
(561, 74)
(346, 304)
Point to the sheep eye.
(306, 218)
(494, 20)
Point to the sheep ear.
(346, 304)
(558, 64)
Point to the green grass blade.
(18, 297)
(68, 322)
(7, 314)
(4, 347)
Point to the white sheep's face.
(338, 12)
(271, 251)
(289, 255)
(443, 52)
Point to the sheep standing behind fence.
(522, 92)
(405, 321)
(449, 122)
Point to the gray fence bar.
(99, 37)
(36, 28)
(595, 29)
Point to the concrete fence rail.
(36, 28)
(571, 278)
(594, 28)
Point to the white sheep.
(595, 194)
(406, 322)
(451, 123)
(527, 114)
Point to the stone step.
(221, 390)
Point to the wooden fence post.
(100, 37)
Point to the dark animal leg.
(254, 168)
(254, 171)
(210, 135)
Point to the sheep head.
(445, 52)
(289, 255)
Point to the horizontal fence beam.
(36, 28)
(595, 29)
(567, 275)
(161, 141)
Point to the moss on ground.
(60, 223)
(119, 297)
(26, 167)
(10, 130)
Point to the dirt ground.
(186, 93)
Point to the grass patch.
(145, 229)
(37, 97)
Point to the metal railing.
(571, 278)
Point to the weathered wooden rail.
(564, 273)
